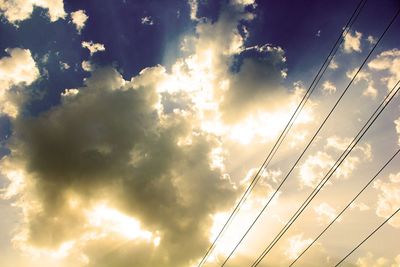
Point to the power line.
(306, 148)
(365, 239)
(288, 126)
(345, 208)
(326, 178)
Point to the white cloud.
(45, 58)
(361, 76)
(328, 87)
(370, 90)
(244, 2)
(333, 64)
(370, 261)
(352, 42)
(264, 189)
(389, 198)
(93, 47)
(64, 65)
(17, 69)
(314, 169)
(194, 5)
(397, 123)
(337, 143)
(326, 213)
(396, 261)
(79, 18)
(69, 93)
(147, 20)
(361, 152)
(19, 10)
(371, 39)
(389, 61)
(316, 166)
(296, 245)
(360, 206)
(347, 167)
(87, 66)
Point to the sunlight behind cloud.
(129, 137)
(111, 220)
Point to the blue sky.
(130, 128)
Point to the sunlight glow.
(111, 220)
(226, 242)
(16, 179)
(296, 245)
(231, 237)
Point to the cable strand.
(365, 239)
(287, 127)
(322, 183)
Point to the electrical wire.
(345, 208)
(326, 178)
(365, 239)
(288, 126)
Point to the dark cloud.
(110, 142)
(256, 86)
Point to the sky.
(130, 129)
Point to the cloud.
(352, 42)
(110, 152)
(69, 93)
(388, 61)
(397, 123)
(19, 10)
(361, 206)
(371, 261)
(16, 70)
(87, 66)
(258, 82)
(333, 64)
(371, 39)
(396, 261)
(389, 198)
(148, 20)
(370, 90)
(361, 152)
(244, 2)
(79, 19)
(328, 87)
(234, 88)
(316, 166)
(93, 47)
(296, 245)
(194, 5)
(64, 65)
(264, 189)
(325, 212)
(253, 86)
(146, 153)
(361, 76)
